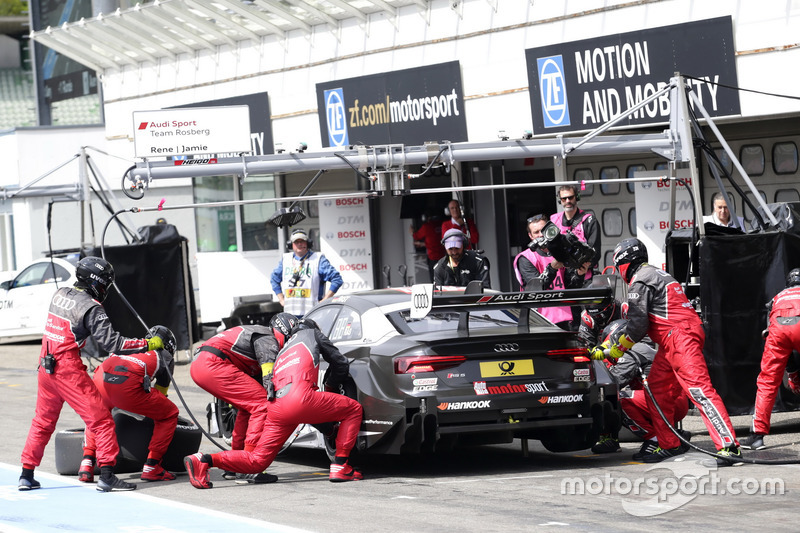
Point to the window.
(216, 226)
(583, 174)
(752, 159)
(661, 166)
(612, 222)
(257, 234)
(609, 173)
(632, 220)
(324, 317)
(726, 162)
(608, 258)
(629, 174)
(40, 273)
(748, 214)
(784, 158)
(347, 326)
(787, 195)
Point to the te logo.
(552, 87)
(337, 118)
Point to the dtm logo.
(337, 117)
(555, 110)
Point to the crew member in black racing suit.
(658, 307)
(75, 314)
(634, 402)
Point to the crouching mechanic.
(230, 366)
(297, 400)
(783, 336)
(75, 314)
(634, 402)
(138, 383)
(658, 307)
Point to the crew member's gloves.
(794, 382)
(162, 389)
(155, 343)
(614, 351)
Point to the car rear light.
(426, 363)
(569, 355)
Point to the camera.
(564, 247)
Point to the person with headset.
(583, 224)
(138, 383)
(460, 266)
(302, 276)
(782, 337)
(462, 223)
(553, 275)
(75, 314)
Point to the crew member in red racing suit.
(634, 402)
(297, 401)
(76, 313)
(658, 307)
(126, 382)
(230, 366)
(783, 336)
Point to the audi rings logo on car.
(64, 303)
(420, 301)
(506, 347)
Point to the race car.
(25, 299)
(476, 369)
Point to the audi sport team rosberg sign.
(188, 131)
(580, 85)
(409, 106)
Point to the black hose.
(132, 310)
(712, 454)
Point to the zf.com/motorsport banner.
(580, 85)
(403, 107)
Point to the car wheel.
(134, 433)
(69, 451)
(570, 439)
(348, 388)
(225, 415)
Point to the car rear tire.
(570, 439)
(348, 388)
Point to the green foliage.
(13, 8)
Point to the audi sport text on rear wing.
(566, 297)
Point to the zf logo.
(337, 117)
(552, 87)
(420, 301)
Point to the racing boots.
(648, 447)
(86, 471)
(113, 484)
(198, 471)
(661, 454)
(606, 444)
(753, 442)
(28, 483)
(156, 473)
(263, 477)
(730, 456)
(344, 472)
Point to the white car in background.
(25, 299)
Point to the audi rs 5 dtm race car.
(476, 369)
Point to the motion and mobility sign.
(403, 107)
(188, 131)
(580, 85)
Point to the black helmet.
(629, 255)
(612, 332)
(602, 313)
(166, 335)
(793, 278)
(95, 275)
(283, 326)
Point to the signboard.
(653, 212)
(347, 241)
(187, 131)
(409, 106)
(580, 85)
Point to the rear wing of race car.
(474, 299)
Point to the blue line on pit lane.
(65, 504)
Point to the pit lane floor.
(486, 489)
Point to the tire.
(69, 451)
(348, 388)
(570, 439)
(134, 433)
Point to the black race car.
(476, 369)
